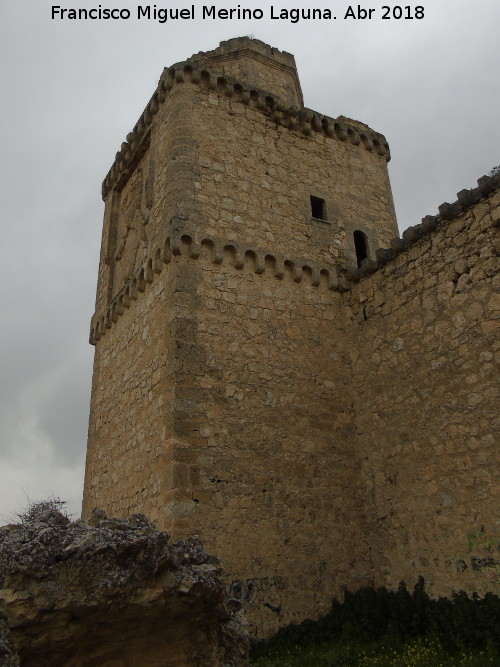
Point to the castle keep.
(319, 411)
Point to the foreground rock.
(112, 592)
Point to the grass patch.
(421, 652)
(381, 627)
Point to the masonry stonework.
(319, 425)
(425, 359)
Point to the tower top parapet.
(257, 63)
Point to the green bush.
(459, 625)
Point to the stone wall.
(319, 426)
(257, 63)
(425, 352)
(221, 382)
(112, 593)
(264, 470)
(255, 179)
(131, 405)
(260, 398)
(132, 388)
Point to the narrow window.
(361, 246)
(318, 209)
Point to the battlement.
(466, 199)
(258, 64)
(183, 243)
(425, 385)
(280, 111)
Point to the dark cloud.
(70, 93)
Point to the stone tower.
(221, 400)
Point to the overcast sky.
(70, 92)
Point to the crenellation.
(303, 120)
(275, 369)
(180, 244)
(439, 335)
(448, 213)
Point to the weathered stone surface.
(425, 379)
(114, 592)
(223, 385)
(251, 384)
(8, 653)
(257, 63)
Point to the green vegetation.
(381, 627)
(421, 652)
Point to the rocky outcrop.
(8, 654)
(112, 592)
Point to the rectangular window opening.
(318, 208)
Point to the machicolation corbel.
(182, 242)
(304, 120)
